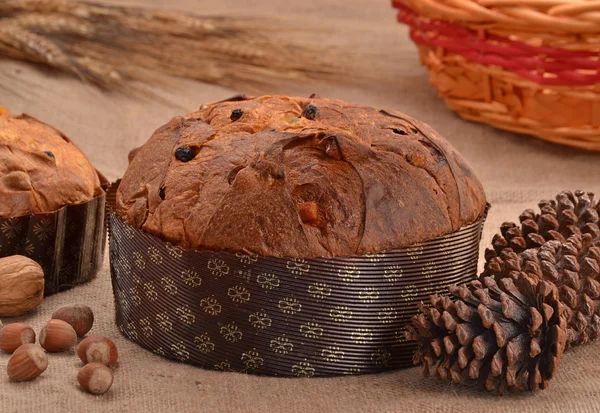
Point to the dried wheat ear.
(109, 45)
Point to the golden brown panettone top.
(280, 176)
(41, 170)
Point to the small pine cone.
(573, 267)
(507, 336)
(570, 214)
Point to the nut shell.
(15, 335)
(57, 335)
(97, 349)
(27, 363)
(95, 378)
(21, 285)
(80, 317)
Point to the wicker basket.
(527, 66)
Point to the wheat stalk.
(111, 45)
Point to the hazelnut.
(27, 363)
(57, 335)
(15, 335)
(95, 378)
(98, 350)
(80, 317)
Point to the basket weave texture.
(527, 66)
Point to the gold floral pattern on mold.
(260, 320)
(231, 332)
(239, 294)
(298, 266)
(281, 345)
(429, 270)
(414, 252)
(387, 315)
(376, 256)
(185, 315)
(409, 292)
(150, 291)
(243, 274)
(368, 295)
(25, 247)
(130, 330)
(211, 306)
(381, 357)
(217, 267)
(393, 273)
(268, 281)
(173, 251)
(155, 255)
(311, 330)
(252, 359)
(349, 273)
(319, 290)
(139, 260)
(146, 327)
(44, 229)
(223, 366)
(204, 343)
(180, 351)
(11, 228)
(362, 336)
(247, 258)
(290, 306)
(340, 313)
(191, 278)
(134, 297)
(164, 322)
(303, 369)
(168, 285)
(332, 354)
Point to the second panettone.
(291, 177)
(51, 202)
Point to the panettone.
(41, 170)
(279, 176)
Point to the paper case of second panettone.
(68, 243)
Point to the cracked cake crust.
(292, 177)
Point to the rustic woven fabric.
(516, 173)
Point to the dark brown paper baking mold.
(273, 316)
(68, 243)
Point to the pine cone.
(507, 336)
(570, 214)
(509, 331)
(574, 268)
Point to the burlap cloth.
(516, 171)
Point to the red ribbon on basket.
(542, 65)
